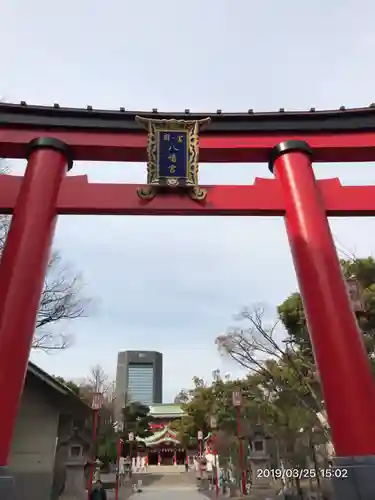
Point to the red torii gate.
(52, 137)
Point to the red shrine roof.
(24, 116)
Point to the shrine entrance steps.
(166, 469)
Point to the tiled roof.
(165, 435)
(159, 410)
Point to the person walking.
(122, 470)
(98, 492)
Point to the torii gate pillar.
(346, 379)
(22, 271)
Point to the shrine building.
(163, 446)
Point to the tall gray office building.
(139, 377)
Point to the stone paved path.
(168, 484)
(168, 493)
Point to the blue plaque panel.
(172, 157)
(172, 154)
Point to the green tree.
(136, 419)
(268, 404)
(186, 430)
(288, 401)
(182, 397)
(70, 384)
(292, 316)
(216, 400)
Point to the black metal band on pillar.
(288, 147)
(51, 143)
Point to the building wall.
(138, 358)
(34, 443)
(141, 383)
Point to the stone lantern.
(259, 457)
(355, 292)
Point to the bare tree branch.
(255, 348)
(52, 341)
(98, 379)
(343, 251)
(62, 297)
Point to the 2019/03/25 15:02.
(294, 473)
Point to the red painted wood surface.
(340, 356)
(132, 147)
(23, 267)
(264, 197)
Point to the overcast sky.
(173, 284)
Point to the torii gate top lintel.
(344, 135)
